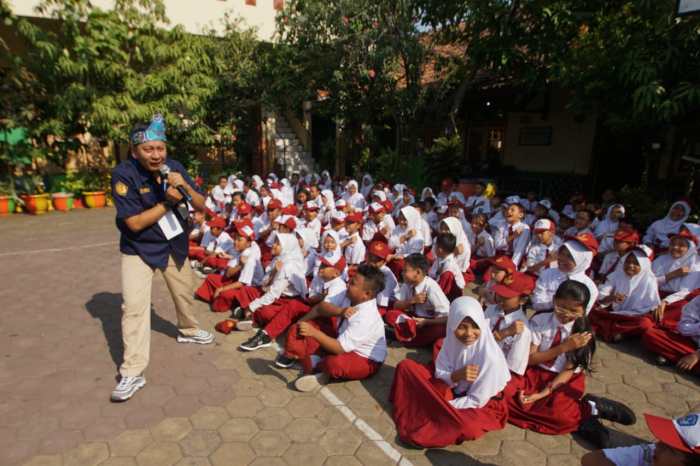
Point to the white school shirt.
(388, 223)
(519, 244)
(548, 282)
(447, 264)
(479, 204)
(391, 287)
(413, 245)
(218, 244)
(635, 455)
(252, 272)
(315, 226)
(363, 332)
(281, 286)
(611, 259)
(199, 230)
(433, 220)
(369, 229)
(310, 260)
(537, 252)
(689, 324)
(544, 328)
(342, 234)
(499, 232)
(427, 232)
(487, 248)
(516, 348)
(334, 289)
(355, 252)
(436, 304)
(252, 198)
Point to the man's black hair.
(374, 278)
(447, 242)
(417, 261)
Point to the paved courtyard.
(60, 345)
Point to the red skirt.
(275, 318)
(424, 417)
(410, 335)
(447, 283)
(671, 345)
(559, 413)
(608, 324)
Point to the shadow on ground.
(107, 308)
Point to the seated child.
(518, 233)
(501, 271)
(379, 225)
(284, 299)
(624, 240)
(312, 221)
(627, 300)
(549, 398)
(199, 227)
(483, 246)
(406, 239)
(420, 313)
(217, 246)
(542, 250)
(582, 223)
(343, 339)
(677, 273)
(573, 260)
(680, 347)
(353, 245)
(508, 321)
(605, 229)
(330, 251)
(241, 281)
(678, 444)
(377, 252)
(658, 234)
(463, 249)
(445, 269)
(462, 399)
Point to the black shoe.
(238, 313)
(612, 410)
(260, 340)
(592, 431)
(284, 362)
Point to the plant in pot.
(32, 195)
(7, 197)
(96, 185)
(63, 188)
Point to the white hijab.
(666, 226)
(607, 226)
(485, 353)
(335, 255)
(583, 258)
(455, 227)
(257, 182)
(641, 291)
(427, 192)
(293, 259)
(413, 219)
(309, 238)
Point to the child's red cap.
(544, 224)
(681, 434)
(504, 263)
(588, 241)
(520, 285)
(291, 209)
(245, 229)
(355, 217)
(339, 264)
(379, 249)
(274, 204)
(217, 222)
(388, 205)
(311, 206)
(628, 235)
(244, 208)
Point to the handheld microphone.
(164, 170)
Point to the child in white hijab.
(658, 233)
(627, 299)
(463, 399)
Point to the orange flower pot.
(7, 205)
(36, 204)
(62, 202)
(95, 199)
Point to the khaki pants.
(137, 280)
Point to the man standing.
(147, 189)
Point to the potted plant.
(62, 191)
(95, 190)
(7, 198)
(31, 193)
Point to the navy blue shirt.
(134, 190)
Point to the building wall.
(571, 145)
(197, 14)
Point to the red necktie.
(556, 341)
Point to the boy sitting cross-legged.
(344, 340)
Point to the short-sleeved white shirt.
(544, 328)
(437, 304)
(363, 332)
(391, 287)
(516, 349)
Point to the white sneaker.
(195, 264)
(202, 337)
(312, 382)
(244, 325)
(126, 387)
(207, 270)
